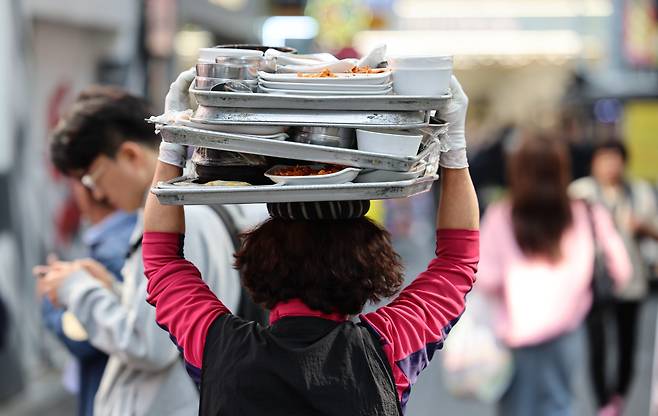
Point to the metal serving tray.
(182, 191)
(292, 150)
(336, 118)
(318, 102)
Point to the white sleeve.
(583, 188)
(209, 247)
(126, 331)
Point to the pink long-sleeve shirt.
(410, 328)
(536, 300)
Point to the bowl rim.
(420, 56)
(429, 68)
(387, 134)
(247, 52)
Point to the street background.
(594, 62)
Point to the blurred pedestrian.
(632, 204)
(536, 268)
(105, 143)
(106, 240)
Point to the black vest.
(299, 366)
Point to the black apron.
(299, 366)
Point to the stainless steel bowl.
(326, 136)
(218, 84)
(242, 68)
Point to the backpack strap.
(247, 308)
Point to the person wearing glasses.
(106, 240)
(105, 143)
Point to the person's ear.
(130, 152)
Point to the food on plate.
(304, 170)
(367, 70)
(325, 73)
(356, 70)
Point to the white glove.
(177, 106)
(178, 97)
(454, 142)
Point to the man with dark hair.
(633, 206)
(105, 143)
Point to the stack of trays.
(268, 127)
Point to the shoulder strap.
(590, 219)
(376, 342)
(630, 194)
(247, 309)
(229, 223)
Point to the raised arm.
(184, 305)
(161, 218)
(416, 323)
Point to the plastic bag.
(476, 364)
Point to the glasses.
(91, 179)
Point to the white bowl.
(420, 61)
(422, 81)
(208, 55)
(389, 142)
(340, 177)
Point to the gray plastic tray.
(292, 150)
(182, 192)
(338, 118)
(317, 102)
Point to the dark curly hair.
(332, 266)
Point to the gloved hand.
(177, 106)
(454, 112)
(178, 97)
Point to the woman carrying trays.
(315, 265)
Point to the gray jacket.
(144, 374)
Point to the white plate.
(327, 92)
(323, 87)
(252, 130)
(344, 176)
(376, 175)
(368, 79)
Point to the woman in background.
(536, 266)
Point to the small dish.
(339, 79)
(343, 176)
(422, 81)
(389, 142)
(322, 87)
(326, 92)
(376, 175)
